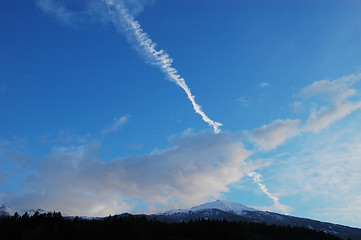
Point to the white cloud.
(276, 133)
(335, 91)
(117, 124)
(196, 168)
(323, 118)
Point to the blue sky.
(94, 120)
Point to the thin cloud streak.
(160, 58)
(257, 178)
(121, 18)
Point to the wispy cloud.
(297, 107)
(276, 133)
(82, 13)
(135, 146)
(65, 137)
(146, 47)
(244, 101)
(335, 91)
(264, 84)
(57, 9)
(117, 124)
(326, 168)
(324, 117)
(348, 212)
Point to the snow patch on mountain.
(7, 211)
(225, 206)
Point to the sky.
(142, 106)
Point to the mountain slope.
(222, 210)
(7, 211)
(225, 206)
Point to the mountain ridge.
(219, 210)
(8, 211)
(218, 204)
(227, 211)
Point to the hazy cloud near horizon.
(196, 168)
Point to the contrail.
(257, 178)
(159, 58)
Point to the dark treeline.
(54, 226)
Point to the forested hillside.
(55, 226)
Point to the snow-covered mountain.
(223, 210)
(225, 206)
(7, 211)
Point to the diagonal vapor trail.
(159, 58)
(257, 178)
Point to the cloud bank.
(196, 168)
